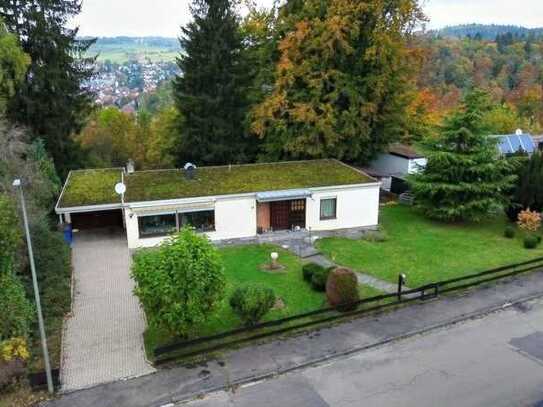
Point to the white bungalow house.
(392, 167)
(227, 202)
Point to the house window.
(203, 221)
(157, 225)
(162, 225)
(328, 208)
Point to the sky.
(107, 18)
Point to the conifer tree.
(211, 93)
(51, 102)
(464, 178)
(528, 190)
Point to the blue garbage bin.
(68, 234)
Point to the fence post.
(401, 283)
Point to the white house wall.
(357, 207)
(234, 218)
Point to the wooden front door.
(279, 216)
(286, 215)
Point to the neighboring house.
(225, 202)
(516, 143)
(392, 167)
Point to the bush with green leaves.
(10, 236)
(509, 232)
(531, 241)
(180, 283)
(308, 269)
(252, 302)
(53, 264)
(319, 278)
(17, 310)
(342, 289)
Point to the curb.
(337, 356)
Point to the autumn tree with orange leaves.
(342, 80)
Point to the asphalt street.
(495, 360)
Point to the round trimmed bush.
(530, 242)
(319, 278)
(252, 302)
(342, 289)
(308, 270)
(509, 232)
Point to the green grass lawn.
(243, 265)
(428, 251)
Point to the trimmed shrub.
(252, 302)
(342, 289)
(308, 270)
(530, 242)
(319, 278)
(509, 232)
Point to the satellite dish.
(120, 188)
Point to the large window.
(157, 225)
(328, 208)
(203, 221)
(162, 225)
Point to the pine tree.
(528, 190)
(464, 178)
(211, 93)
(51, 101)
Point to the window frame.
(334, 216)
(178, 223)
(161, 234)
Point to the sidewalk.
(280, 356)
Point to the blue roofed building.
(515, 143)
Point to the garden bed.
(243, 264)
(428, 251)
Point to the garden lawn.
(243, 266)
(428, 251)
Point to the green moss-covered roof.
(92, 187)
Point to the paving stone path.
(103, 339)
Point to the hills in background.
(123, 49)
(486, 31)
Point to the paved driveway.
(103, 338)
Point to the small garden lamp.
(274, 256)
(17, 184)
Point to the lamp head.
(16, 183)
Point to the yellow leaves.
(15, 348)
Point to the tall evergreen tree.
(211, 93)
(464, 177)
(51, 101)
(528, 190)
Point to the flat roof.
(405, 151)
(96, 187)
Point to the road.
(495, 360)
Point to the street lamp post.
(17, 184)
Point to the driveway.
(103, 339)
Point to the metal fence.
(207, 344)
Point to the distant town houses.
(122, 85)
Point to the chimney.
(130, 166)
(189, 171)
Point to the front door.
(287, 214)
(279, 217)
